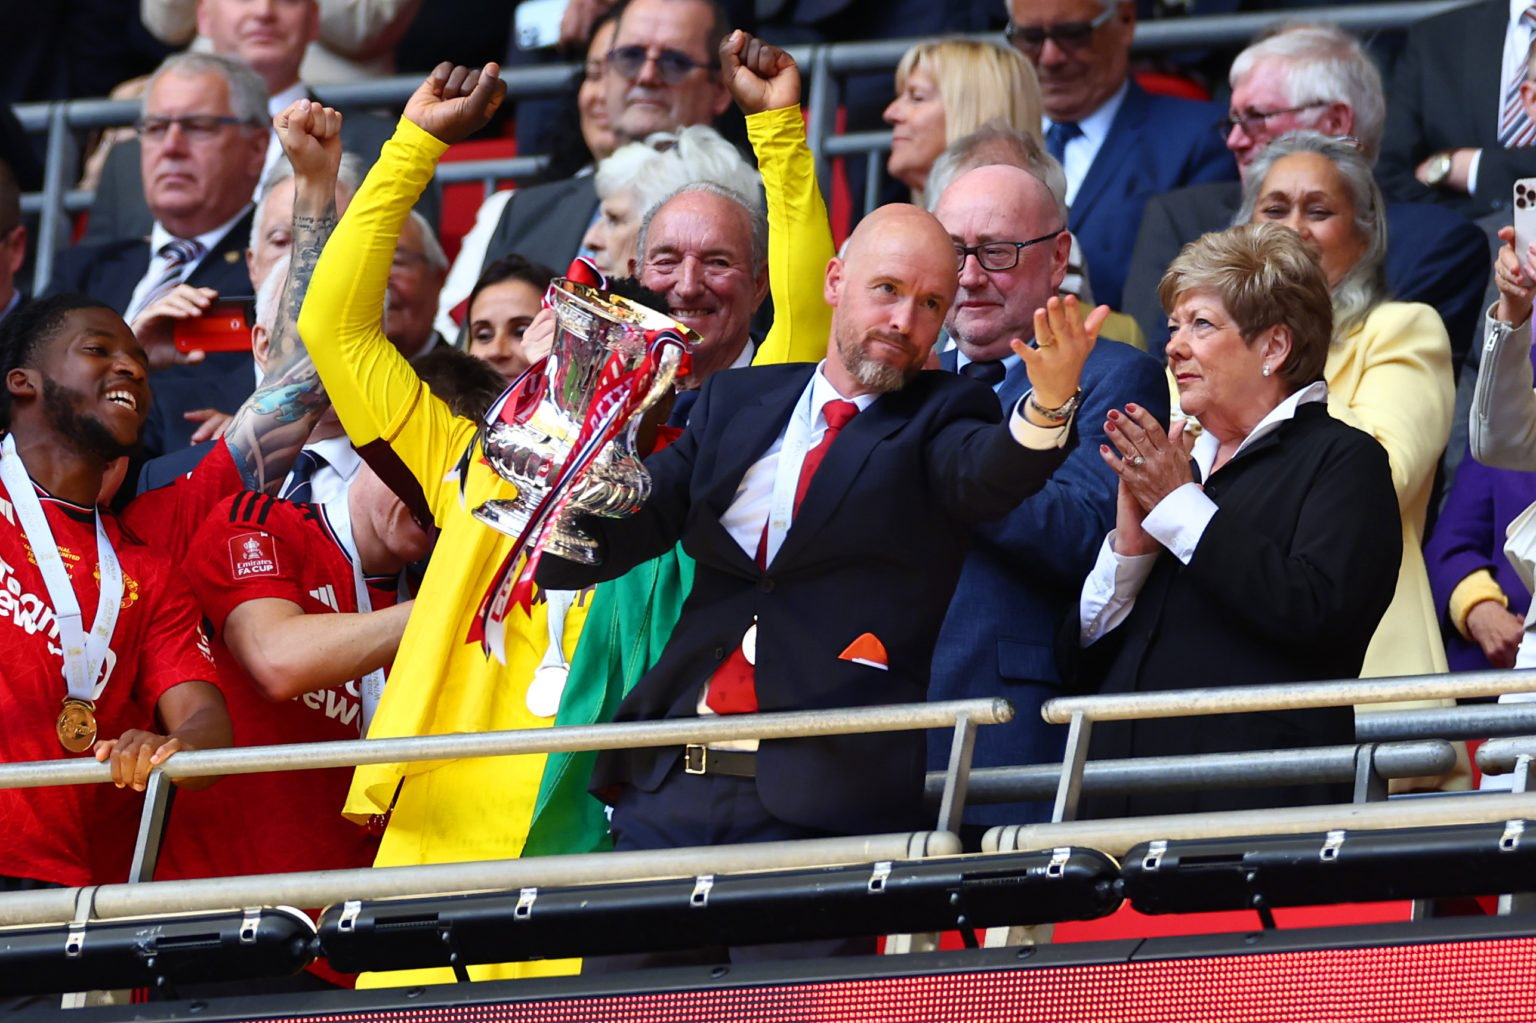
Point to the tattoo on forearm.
(270, 427)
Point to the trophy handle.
(668, 356)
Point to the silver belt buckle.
(695, 759)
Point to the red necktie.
(732, 688)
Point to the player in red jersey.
(101, 651)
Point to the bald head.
(991, 210)
(890, 290)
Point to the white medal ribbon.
(83, 655)
(370, 687)
(549, 678)
(797, 444)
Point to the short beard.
(88, 434)
(879, 377)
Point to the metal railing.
(1079, 713)
(824, 69)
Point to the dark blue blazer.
(1156, 144)
(109, 271)
(875, 548)
(1434, 255)
(222, 381)
(1023, 576)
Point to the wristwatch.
(1438, 170)
(1062, 412)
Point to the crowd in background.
(1262, 471)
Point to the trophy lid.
(588, 303)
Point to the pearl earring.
(1266, 370)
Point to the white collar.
(159, 236)
(822, 392)
(1095, 127)
(279, 102)
(1206, 444)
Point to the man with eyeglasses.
(1023, 572)
(1316, 77)
(272, 38)
(660, 74)
(203, 137)
(1118, 144)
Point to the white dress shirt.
(331, 479)
(159, 236)
(1079, 153)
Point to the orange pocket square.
(867, 650)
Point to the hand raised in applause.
(1151, 464)
(1063, 339)
(759, 76)
(455, 101)
(310, 135)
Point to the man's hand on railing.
(455, 101)
(759, 76)
(134, 754)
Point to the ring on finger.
(1139, 461)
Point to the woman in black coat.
(1265, 549)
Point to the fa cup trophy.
(563, 434)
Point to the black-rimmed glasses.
(1069, 35)
(998, 255)
(672, 65)
(197, 127)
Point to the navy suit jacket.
(545, 222)
(109, 271)
(875, 548)
(1156, 144)
(222, 381)
(1434, 255)
(1023, 575)
(1446, 94)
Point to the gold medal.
(77, 725)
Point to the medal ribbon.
(338, 515)
(83, 655)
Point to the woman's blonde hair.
(978, 82)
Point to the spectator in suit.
(1456, 131)
(271, 38)
(1118, 144)
(13, 241)
(204, 135)
(660, 75)
(1314, 76)
(1023, 572)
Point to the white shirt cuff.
(1178, 521)
(1476, 162)
(1036, 438)
(1110, 590)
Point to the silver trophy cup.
(606, 361)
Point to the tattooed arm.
(272, 425)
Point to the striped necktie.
(301, 478)
(1515, 127)
(179, 256)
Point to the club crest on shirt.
(251, 555)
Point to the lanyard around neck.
(84, 654)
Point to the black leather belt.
(703, 760)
